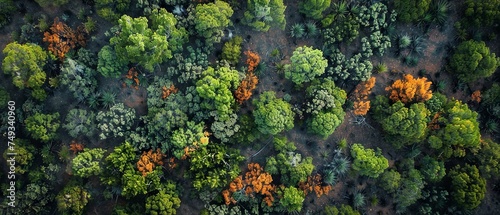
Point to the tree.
(406, 125)
(188, 138)
(342, 210)
(264, 14)
(361, 102)
(231, 50)
(148, 161)
(216, 87)
(4, 98)
(410, 190)
(121, 158)
(80, 122)
(368, 162)
(111, 9)
(411, 10)
(472, 60)
(272, 115)
(306, 64)
(325, 123)
(109, 65)
(390, 181)
(79, 78)
(468, 188)
(72, 200)
(460, 131)
(213, 166)
(24, 155)
(324, 96)
(115, 122)
(8, 7)
(137, 43)
(164, 23)
(43, 126)
(249, 83)
(211, 19)
(51, 3)
(62, 38)
(488, 159)
(482, 13)
(410, 90)
(433, 170)
(25, 63)
(88, 162)
(292, 199)
(256, 181)
(314, 8)
(165, 202)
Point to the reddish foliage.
(476, 96)
(62, 38)
(253, 60)
(249, 83)
(132, 74)
(314, 183)
(75, 147)
(165, 92)
(410, 89)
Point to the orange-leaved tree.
(166, 92)
(256, 181)
(249, 83)
(409, 90)
(149, 160)
(62, 38)
(314, 183)
(75, 147)
(476, 96)
(361, 102)
(253, 60)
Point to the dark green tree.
(111, 10)
(43, 126)
(410, 190)
(488, 159)
(342, 210)
(109, 65)
(325, 123)
(433, 170)
(72, 200)
(472, 60)
(411, 10)
(482, 13)
(24, 155)
(272, 115)
(468, 188)
(390, 181)
(80, 122)
(8, 7)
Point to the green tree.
(488, 159)
(164, 23)
(342, 210)
(115, 122)
(80, 122)
(405, 125)
(111, 10)
(109, 65)
(4, 98)
(472, 60)
(72, 200)
(272, 115)
(165, 202)
(8, 7)
(51, 3)
(432, 169)
(292, 199)
(137, 43)
(43, 126)
(314, 8)
(368, 162)
(133, 183)
(325, 123)
(325, 96)
(410, 190)
(189, 136)
(482, 13)
(468, 188)
(306, 64)
(231, 51)
(211, 19)
(25, 63)
(411, 10)
(79, 78)
(460, 131)
(88, 162)
(214, 166)
(216, 88)
(24, 155)
(390, 181)
(264, 14)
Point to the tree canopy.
(368, 162)
(272, 115)
(306, 64)
(472, 60)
